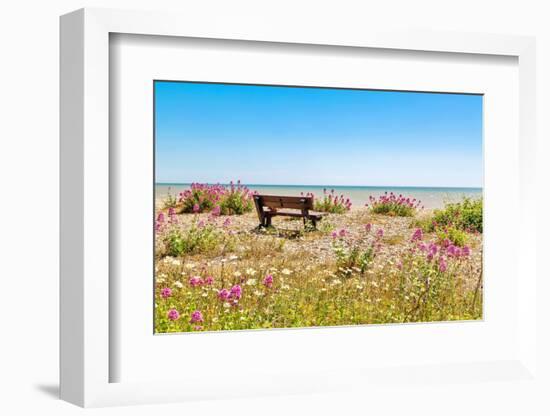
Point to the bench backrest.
(295, 202)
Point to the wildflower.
(380, 233)
(196, 317)
(466, 251)
(417, 235)
(223, 294)
(171, 212)
(442, 264)
(196, 208)
(235, 292)
(208, 280)
(334, 234)
(286, 272)
(368, 227)
(446, 243)
(399, 265)
(200, 224)
(268, 281)
(251, 282)
(453, 251)
(197, 328)
(227, 222)
(173, 314)
(343, 232)
(166, 292)
(160, 217)
(178, 284)
(237, 274)
(250, 272)
(195, 281)
(216, 211)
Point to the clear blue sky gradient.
(316, 136)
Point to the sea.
(430, 197)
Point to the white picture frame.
(86, 356)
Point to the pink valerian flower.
(166, 292)
(173, 314)
(368, 227)
(236, 292)
(227, 222)
(442, 264)
(343, 232)
(453, 251)
(196, 317)
(196, 208)
(446, 243)
(195, 281)
(268, 281)
(223, 294)
(171, 212)
(417, 235)
(200, 224)
(197, 328)
(160, 217)
(399, 265)
(216, 211)
(422, 246)
(380, 233)
(208, 280)
(334, 234)
(466, 251)
(432, 251)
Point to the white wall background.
(29, 184)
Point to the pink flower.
(196, 317)
(171, 211)
(417, 235)
(268, 281)
(208, 280)
(160, 217)
(200, 224)
(227, 222)
(442, 264)
(453, 251)
(380, 233)
(334, 234)
(235, 292)
(196, 208)
(466, 251)
(342, 233)
(216, 211)
(195, 281)
(173, 314)
(223, 294)
(399, 265)
(166, 292)
(368, 227)
(197, 328)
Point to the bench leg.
(268, 220)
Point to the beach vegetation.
(331, 202)
(394, 205)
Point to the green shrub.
(466, 215)
(198, 239)
(236, 202)
(454, 235)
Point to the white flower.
(237, 274)
(258, 293)
(251, 272)
(233, 257)
(190, 266)
(285, 287)
(226, 305)
(251, 282)
(286, 272)
(178, 284)
(336, 282)
(204, 294)
(359, 287)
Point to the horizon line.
(325, 186)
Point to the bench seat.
(269, 206)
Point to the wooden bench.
(269, 206)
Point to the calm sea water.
(359, 195)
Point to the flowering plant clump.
(235, 199)
(394, 205)
(335, 204)
(466, 215)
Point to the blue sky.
(316, 136)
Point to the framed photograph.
(291, 210)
